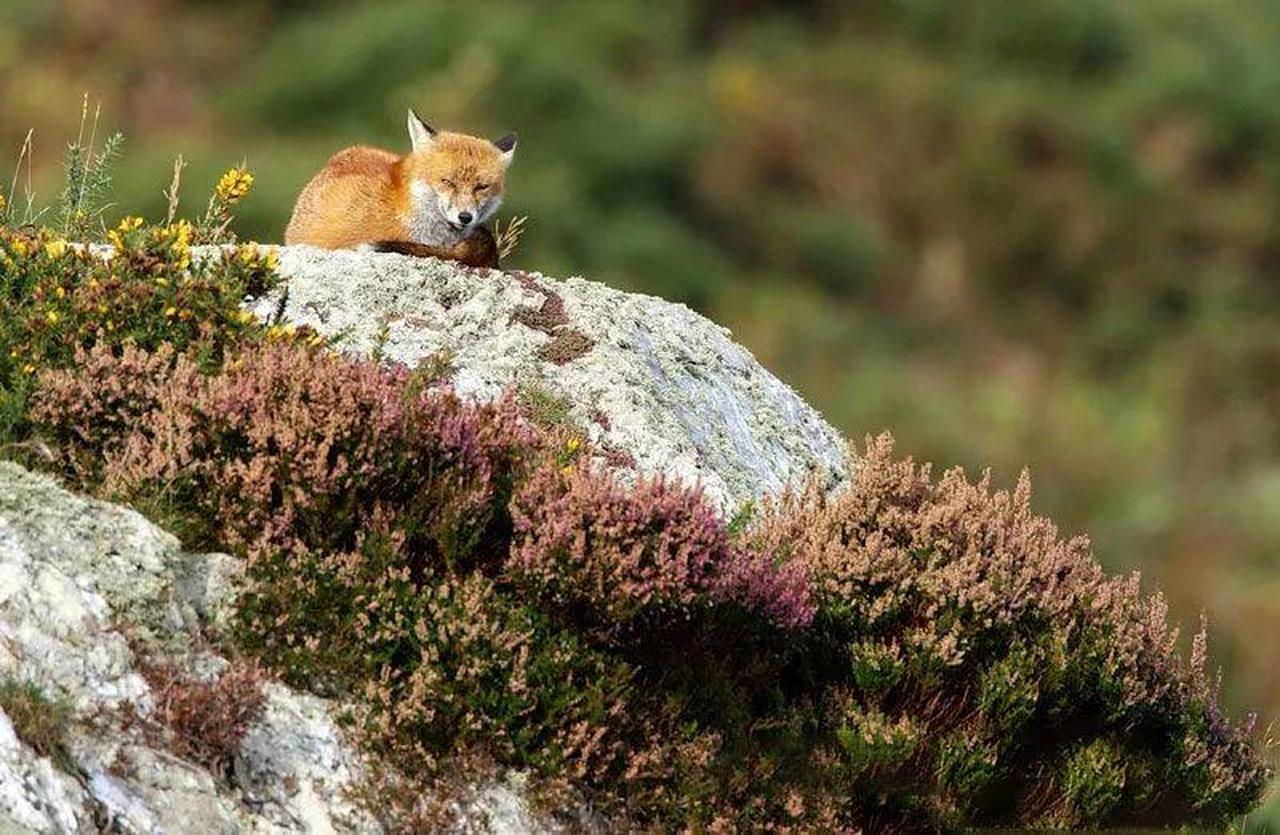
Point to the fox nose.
(464, 218)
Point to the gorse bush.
(59, 298)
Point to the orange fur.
(363, 194)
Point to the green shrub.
(59, 298)
(1093, 782)
(1009, 690)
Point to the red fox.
(432, 201)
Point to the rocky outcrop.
(85, 586)
(651, 381)
(89, 589)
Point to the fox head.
(455, 176)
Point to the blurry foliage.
(1035, 233)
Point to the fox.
(432, 201)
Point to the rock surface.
(76, 577)
(651, 380)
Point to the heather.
(910, 652)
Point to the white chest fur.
(424, 221)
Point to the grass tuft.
(39, 721)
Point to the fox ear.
(420, 133)
(507, 145)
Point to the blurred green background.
(1040, 233)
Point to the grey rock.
(296, 737)
(75, 576)
(34, 795)
(657, 381)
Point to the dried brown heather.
(206, 720)
(1021, 666)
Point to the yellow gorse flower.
(182, 232)
(234, 185)
(127, 225)
(56, 248)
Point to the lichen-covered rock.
(34, 795)
(81, 579)
(652, 380)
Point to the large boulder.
(653, 382)
(90, 590)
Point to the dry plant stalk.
(175, 185)
(29, 214)
(508, 237)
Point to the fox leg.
(478, 250)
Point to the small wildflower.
(162, 282)
(127, 225)
(234, 185)
(56, 248)
(52, 317)
(573, 444)
(182, 232)
(170, 311)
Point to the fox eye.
(482, 187)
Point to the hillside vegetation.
(1037, 234)
(913, 652)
